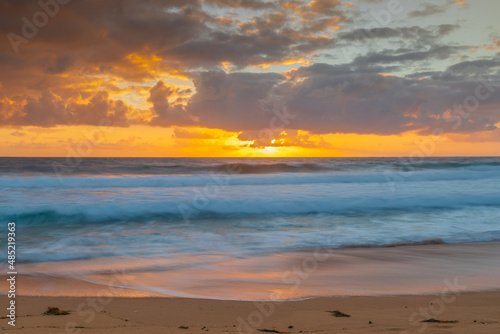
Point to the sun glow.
(147, 141)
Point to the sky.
(249, 78)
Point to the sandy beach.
(468, 313)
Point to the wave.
(437, 241)
(172, 166)
(449, 164)
(171, 181)
(229, 207)
(159, 167)
(246, 168)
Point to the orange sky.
(146, 141)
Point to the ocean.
(157, 215)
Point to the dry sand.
(475, 313)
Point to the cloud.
(18, 134)
(97, 37)
(82, 67)
(248, 4)
(283, 139)
(102, 45)
(324, 99)
(417, 34)
(182, 133)
(228, 100)
(50, 110)
(319, 98)
(428, 9)
(99, 110)
(328, 7)
(163, 113)
(403, 56)
(470, 70)
(495, 44)
(350, 102)
(273, 37)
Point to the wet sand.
(394, 288)
(423, 269)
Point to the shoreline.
(296, 275)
